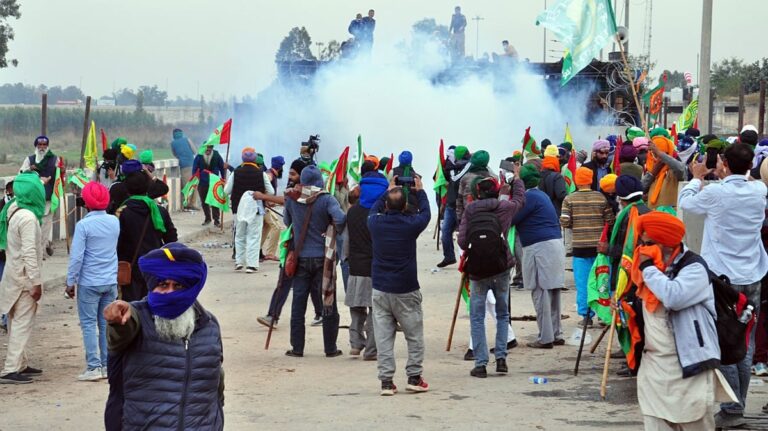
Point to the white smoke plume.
(392, 100)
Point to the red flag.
(103, 140)
(390, 163)
(696, 122)
(674, 133)
(340, 173)
(226, 132)
(442, 153)
(616, 152)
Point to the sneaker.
(501, 366)
(294, 354)
(417, 384)
(206, 222)
(371, 358)
(317, 321)
(725, 420)
(388, 388)
(355, 352)
(761, 369)
(470, 355)
(30, 371)
(266, 321)
(217, 223)
(238, 267)
(251, 270)
(446, 262)
(104, 373)
(15, 379)
(479, 371)
(90, 375)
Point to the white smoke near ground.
(393, 100)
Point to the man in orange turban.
(663, 173)
(682, 352)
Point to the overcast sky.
(227, 47)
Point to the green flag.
(79, 179)
(58, 191)
(441, 184)
(189, 188)
(282, 244)
(688, 117)
(216, 196)
(222, 134)
(356, 165)
(654, 98)
(599, 288)
(584, 27)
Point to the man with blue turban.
(169, 331)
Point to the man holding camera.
(396, 294)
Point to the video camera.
(405, 181)
(107, 165)
(313, 144)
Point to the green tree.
(430, 27)
(140, 102)
(153, 96)
(8, 9)
(125, 97)
(296, 46)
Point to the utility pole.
(477, 20)
(626, 24)
(705, 106)
(544, 59)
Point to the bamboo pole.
(44, 116)
(455, 313)
(632, 84)
(604, 382)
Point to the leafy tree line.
(18, 120)
(730, 73)
(18, 94)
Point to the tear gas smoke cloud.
(390, 99)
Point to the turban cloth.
(608, 183)
(373, 159)
(29, 194)
(583, 176)
(131, 166)
(277, 162)
(248, 155)
(551, 163)
(628, 152)
(372, 186)
(311, 176)
(567, 145)
(692, 132)
(298, 165)
(42, 139)
(601, 144)
(480, 159)
(660, 131)
(128, 150)
(517, 156)
(664, 229)
(668, 147)
(405, 158)
(530, 176)
(96, 196)
(551, 150)
(146, 157)
(460, 152)
(179, 263)
(641, 143)
(628, 187)
(634, 132)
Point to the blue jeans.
(581, 268)
(499, 284)
(739, 374)
(446, 231)
(91, 301)
(309, 276)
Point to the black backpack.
(731, 333)
(487, 249)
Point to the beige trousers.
(21, 318)
(706, 423)
(270, 234)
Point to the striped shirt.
(586, 212)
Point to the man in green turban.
(478, 167)
(20, 234)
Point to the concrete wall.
(168, 168)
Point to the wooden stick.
(581, 347)
(604, 382)
(632, 85)
(44, 116)
(63, 172)
(455, 313)
(86, 126)
(276, 312)
(226, 161)
(599, 339)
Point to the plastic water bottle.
(536, 380)
(746, 315)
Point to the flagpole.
(63, 176)
(632, 85)
(226, 162)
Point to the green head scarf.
(117, 143)
(202, 148)
(634, 132)
(530, 176)
(146, 157)
(717, 144)
(479, 161)
(30, 195)
(460, 151)
(660, 131)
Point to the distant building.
(106, 101)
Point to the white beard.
(178, 328)
(39, 155)
(207, 158)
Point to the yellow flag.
(568, 137)
(91, 154)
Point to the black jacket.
(553, 184)
(360, 244)
(247, 177)
(132, 218)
